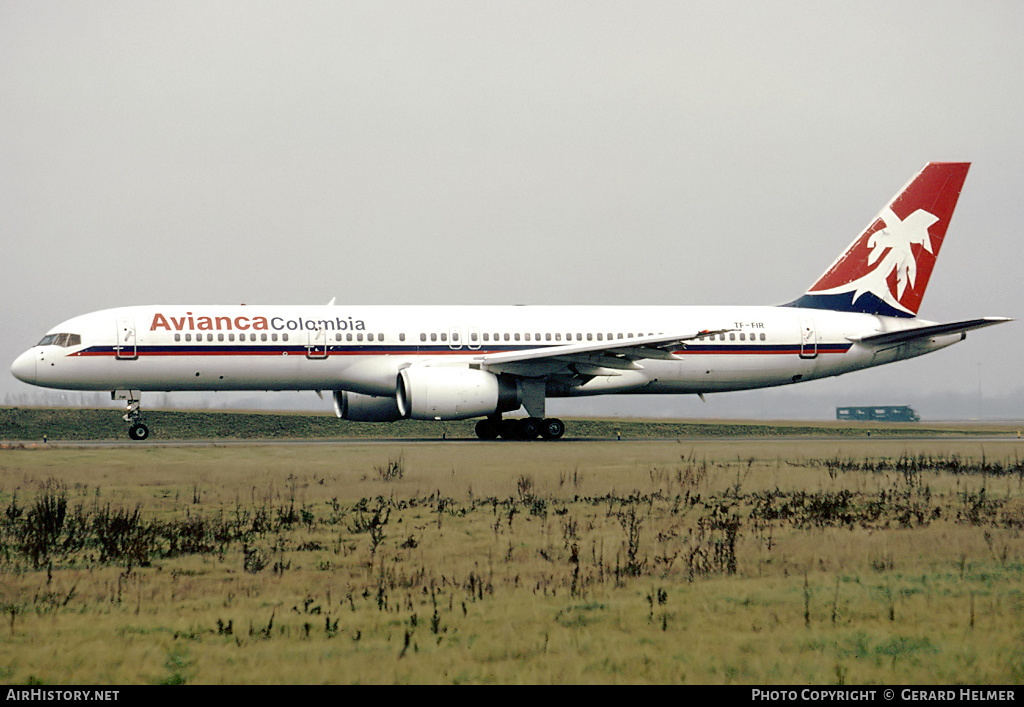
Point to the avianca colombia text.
(204, 323)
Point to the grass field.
(670, 561)
(32, 424)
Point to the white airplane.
(386, 363)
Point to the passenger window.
(359, 337)
(558, 336)
(220, 337)
(188, 337)
(177, 337)
(273, 337)
(743, 337)
(433, 336)
(762, 336)
(263, 337)
(401, 336)
(423, 336)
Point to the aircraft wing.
(591, 357)
(927, 332)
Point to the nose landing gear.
(133, 413)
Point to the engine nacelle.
(447, 393)
(365, 408)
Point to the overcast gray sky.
(496, 152)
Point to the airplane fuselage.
(362, 348)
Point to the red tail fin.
(886, 269)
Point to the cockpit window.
(64, 340)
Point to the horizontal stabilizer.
(927, 332)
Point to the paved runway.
(344, 442)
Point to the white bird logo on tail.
(891, 248)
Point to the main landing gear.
(133, 413)
(525, 428)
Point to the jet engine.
(448, 393)
(365, 408)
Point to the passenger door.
(126, 348)
(808, 338)
(317, 346)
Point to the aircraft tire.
(552, 428)
(509, 429)
(529, 428)
(487, 429)
(138, 432)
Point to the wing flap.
(622, 364)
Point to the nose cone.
(24, 367)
